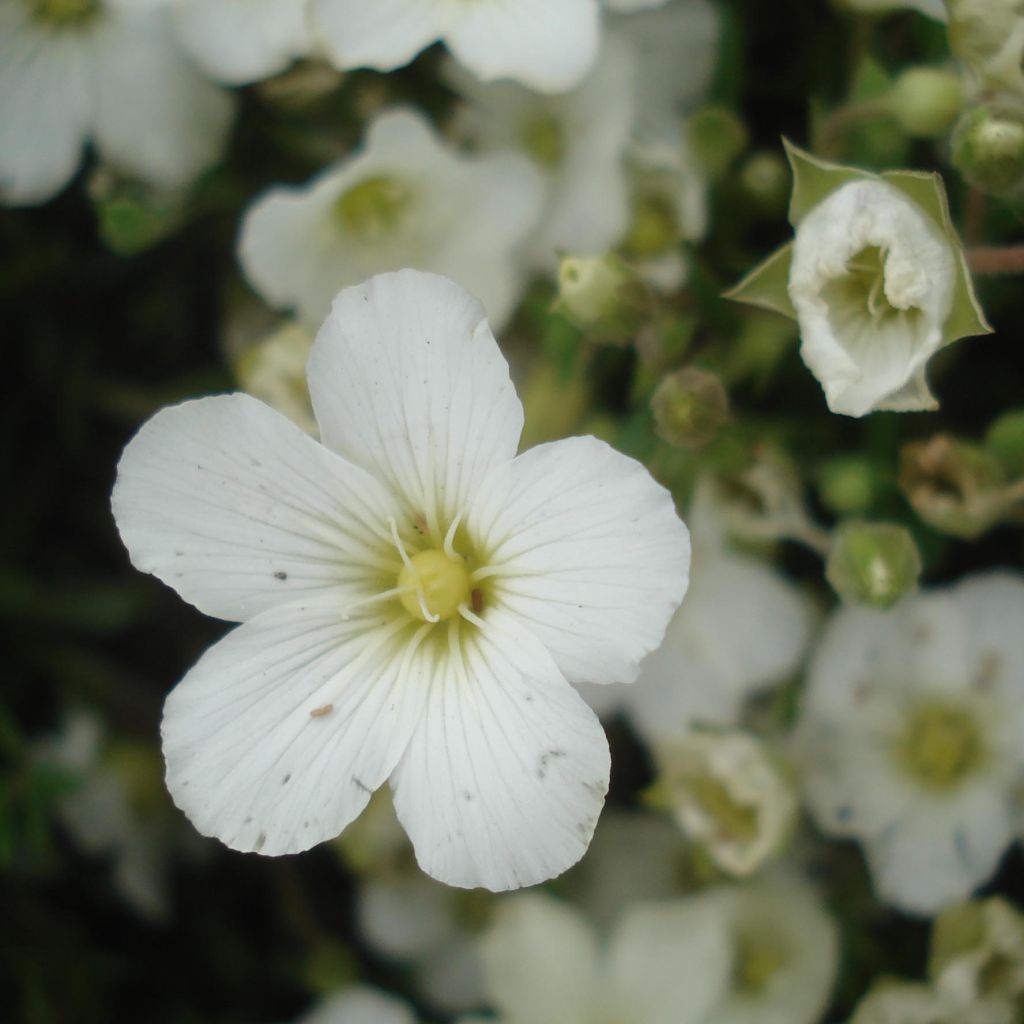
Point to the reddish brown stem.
(996, 259)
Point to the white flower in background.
(729, 794)
(103, 816)
(413, 597)
(872, 284)
(664, 963)
(359, 1005)
(404, 201)
(241, 41)
(911, 737)
(784, 952)
(743, 629)
(905, 1002)
(106, 72)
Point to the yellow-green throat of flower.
(941, 744)
(63, 13)
(373, 208)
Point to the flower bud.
(988, 37)
(977, 951)
(764, 179)
(273, 369)
(689, 407)
(601, 297)
(730, 795)
(988, 147)
(926, 101)
(133, 218)
(873, 563)
(849, 485)
(1005, 440)
(955, 487)
(717, 137)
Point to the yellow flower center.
(757, 959)
(373, 208)
(735, 822)
(433, 586)
(63, 13)
(543, 139)
(941, 744)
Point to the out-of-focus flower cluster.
(816, 788)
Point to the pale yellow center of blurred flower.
(941, 744)
(543, 139)
(433, 586)
(861, 290)
(373, 208)
(63, 13)
(758, 957)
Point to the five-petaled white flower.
(414, 597)
(910, 736)
(105, 71)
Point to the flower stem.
(996, 259)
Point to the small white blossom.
(872, 282)
(359, 1005)
(911, 736)
(729, 794)
(904, 1002)
(108, 72)
(403, 201)
(414, 598)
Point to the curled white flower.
(101, 71)
(872, 282)
(910, 737)
(414, 598)
(405, 200)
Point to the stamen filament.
(471, 616)
(449, 538)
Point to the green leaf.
(767, 285)
(814, 180)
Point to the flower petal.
(233, 506)
(592, 555)
(541, 962)
(275, 740)
(504, 779)
(546, 45)
(408, 382)
(385, 34)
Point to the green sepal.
(814, 180)
(966, 317)
(767, 285)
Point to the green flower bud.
(689, 407)
(764, 178)
(600, 296)
(873, 563)
(956, 487)
(717, 137)
(988, 147)
(1005, 439)
(988, 37)
(926, 101)
(849, 485)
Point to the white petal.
(408, 381)
(541, 962)
(504, 779)
(993, 608)
(627, 6)
(406, 917)
(233, 506)
(385, 34)
(240, 41)
(941, 851)
(275, 740)
(45, 108)
(548, 45)
(671, 962)
(157, 117)
(593, 556)
(359, 1005)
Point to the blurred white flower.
(403, 201)
(905, 1002)
(911, 732)
(240, 41)
(729, 794)
(413, 597)
(359, 1004)
(664, 962)
(742, 629)
(872, 282)
(108, 72)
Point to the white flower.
(664, 963)
(413, 597)
(911, 736)
(728, 794)
(742, 629)
(359, 1005)
(75, 71)
(896, 1002)
(403, 201)
(546, 44)
(872, 282)
(240, 41)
